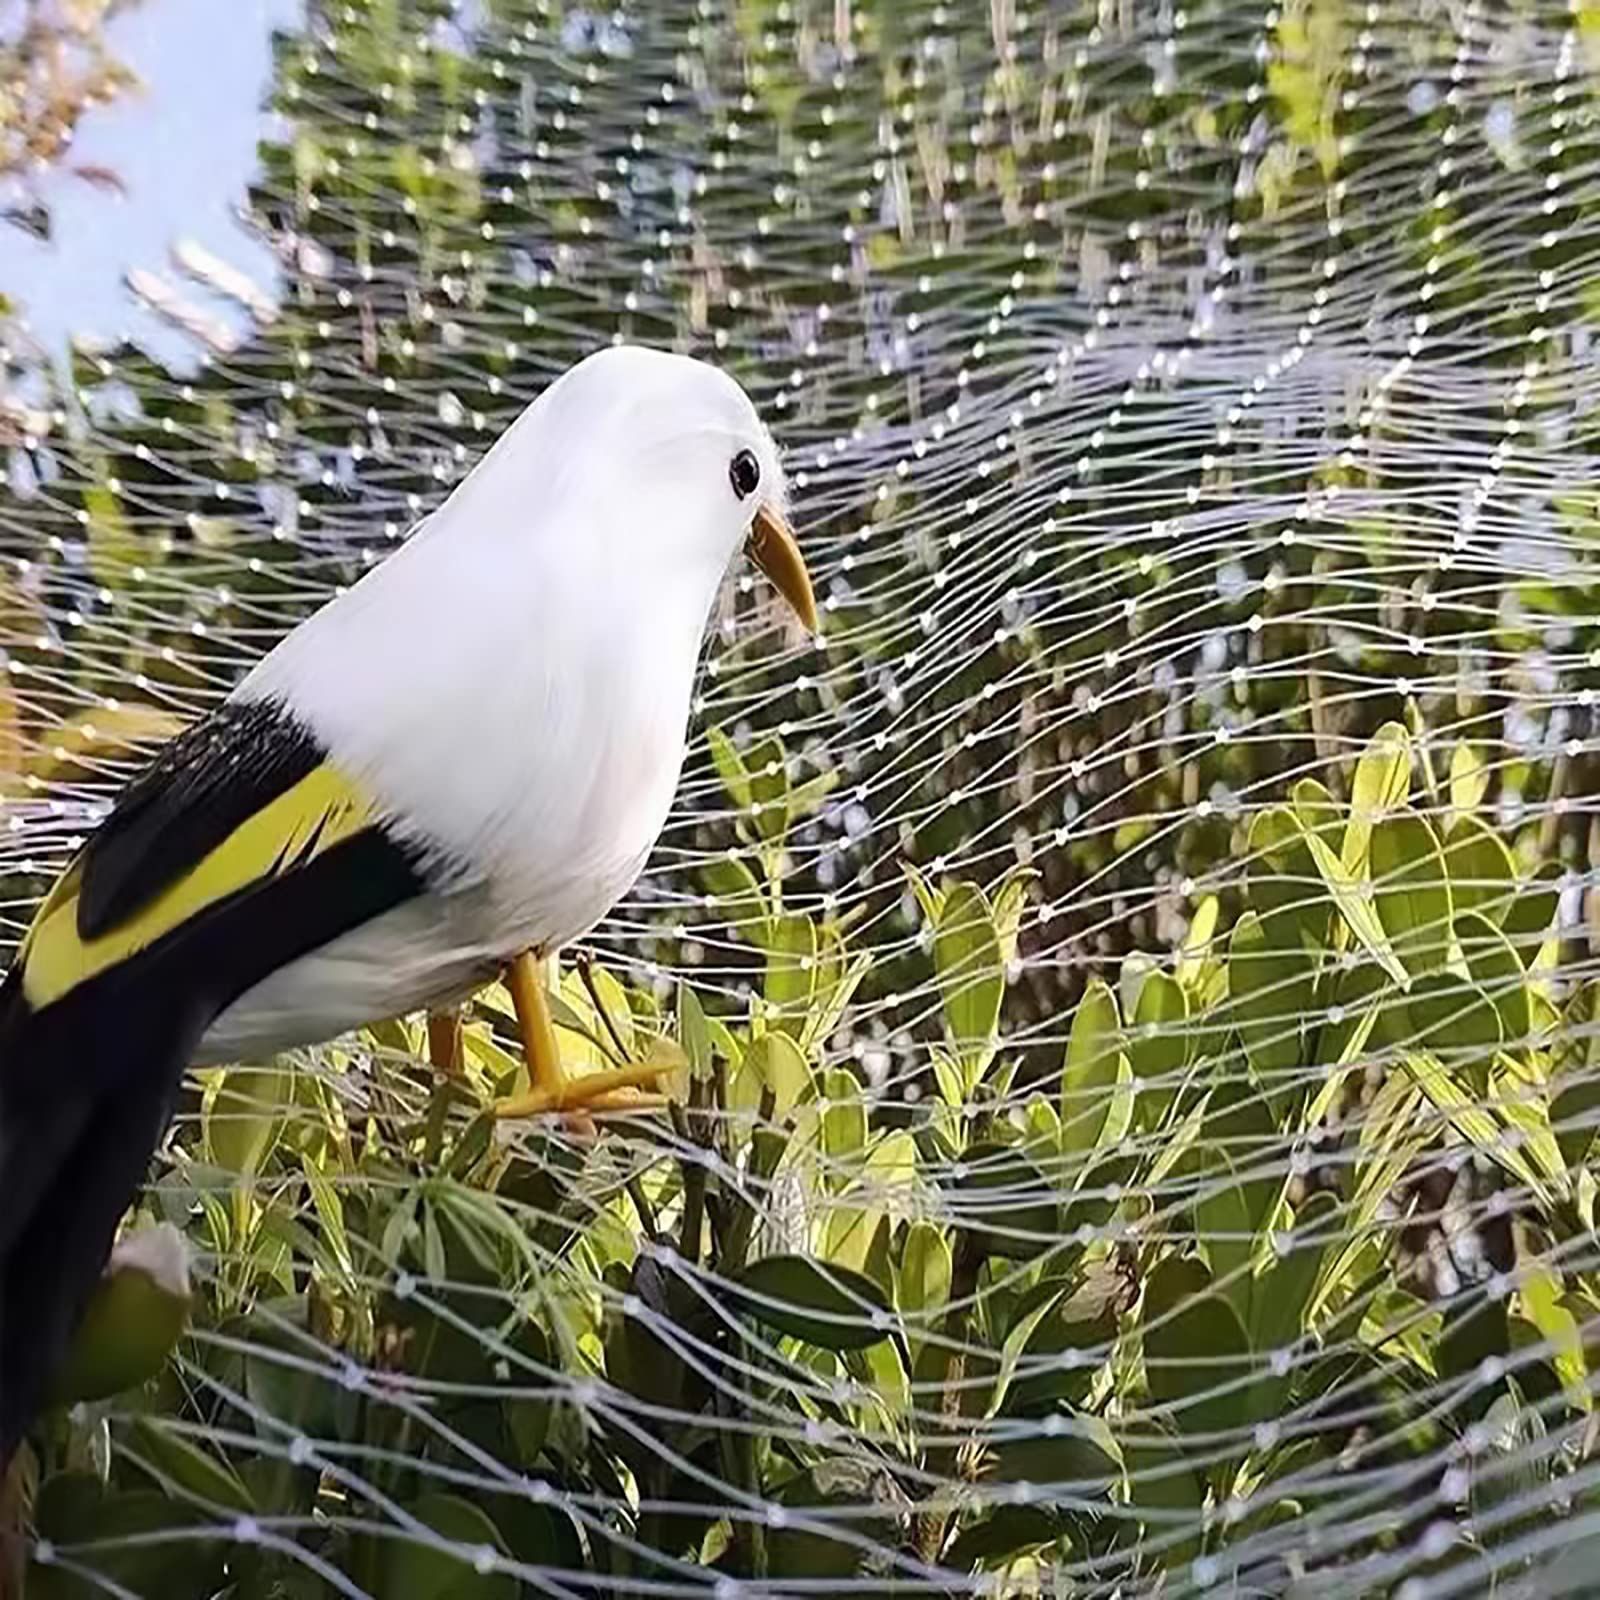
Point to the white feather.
(513, 685)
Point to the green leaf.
(1001, 1531)
(1528, 920)
(448, 1569)
(114, 548)
(1284, 1290)
(971, 970)
(1469, 779)
(1471, 1120)
(613, 1000)
(289, 1382)
(139, 1539)
(1482, 876)
(1165, 1490)
(1076, 1457)
(828, 1306)
(1575, 1076)
(1540, 1291)
(930, 896)
(773, 1061)
(1008, 1206)
(1089, 1076)
(1497, 971)
(739, 897)
(1316, 810)
(1356, 908)
(330, 1218)
(1455, 1019)
(1356, 997)
(844, 1117)
(791, 971)
(1411, 891)
(768, 768)
(951, 1077)
(1239, 1122)
(1283, 884)
(925, 1268)
(1226, 1227)
(1382, 781)
(243, 1118)
(1272, 992)
(843, 1493)
(1474, 1331)
(1196, 1353)
(193, 1471)
(693, 1034)
(1066, 1347)
(1009, 900)
(1197, 954)
(1158, 1042)
(730, 767)
(807, 797)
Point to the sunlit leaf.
(1382, 781)
(1356, 908)
(1469, 779)
(1540, 1292)
(970, 967)
(791, 970)
(243, 1117)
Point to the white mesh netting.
(1135, 971)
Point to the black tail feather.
(80, 1114)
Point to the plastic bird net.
(1130, 983)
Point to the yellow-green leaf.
(1382, 781)
(1356, 909)
(1089, 1075)
(243, 1117)
(774, 1061)
(1469, 779)
(971, 969)
(730, 767)
(1541, 1294)
(791, 971)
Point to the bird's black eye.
(744, 473)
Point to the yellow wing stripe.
(302, 822)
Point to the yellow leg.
(550, 1088)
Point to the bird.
(451, 770)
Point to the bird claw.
(615, 1090)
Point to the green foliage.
(1081, 1272)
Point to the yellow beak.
(772, 547)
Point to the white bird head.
(672, 454)
(521, 669)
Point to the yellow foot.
(615, 1090)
